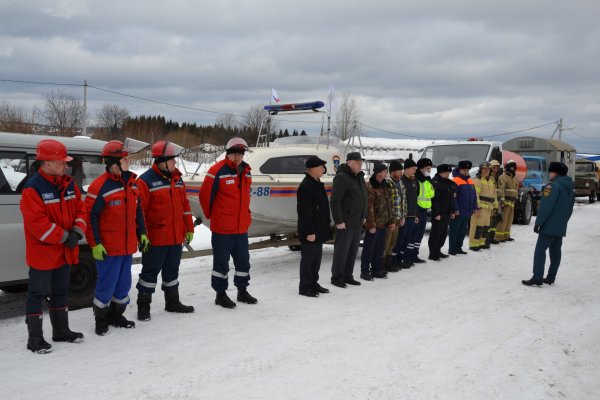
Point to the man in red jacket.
(169, 222)
(115, 222)
(225, 200)
(54, 221)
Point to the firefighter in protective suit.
(115, 222)
(54, 221)
(495, 217)
(169, 223)
(508, 190)
(485, 187)
(225, 200)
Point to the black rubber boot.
(245, 297)
(224, 301)
(116, 317)
(36, 342)
(101, 316)
(60, 327)
(143, 303)
(172, 303)
(532, 282)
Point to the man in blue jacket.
(465, 206)
(553, 215)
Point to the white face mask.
(427, 174)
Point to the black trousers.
(345, 250)
(437, 235)
(310, 263)
(39, 280)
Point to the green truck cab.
(586, 180)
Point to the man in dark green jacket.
(553, 215)
(349, 211)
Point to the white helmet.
(236, 143)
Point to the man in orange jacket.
(54, 221)
(115, 222)
(169, 223)
(225, 200)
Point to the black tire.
(592, 197)
(83, 280)
(295, 247)
(526, 211)
(21, 287)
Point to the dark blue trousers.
(456, 235)
(224, 247)
(545, 242)
(39, 280)
(373, 245)
(405, 235)
(114, 280)
(419, 232)
(165, 259)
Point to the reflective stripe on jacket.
(115, 216)
(166, 207)
(51, 207)
(225, 197)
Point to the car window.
(13, 170)
(284, 165)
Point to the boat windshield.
(452, 154)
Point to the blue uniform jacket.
(556, 206)
(466, 195)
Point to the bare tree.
(227, 121)
(64, 113)
(14, 119)
(347, 118)
(111, 118)
(254, 118)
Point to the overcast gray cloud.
(432, 68)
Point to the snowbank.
(464, 328)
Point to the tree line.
(63, 115)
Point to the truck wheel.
(83, 280)
(526, 211)
(295, 247)
(592, 197)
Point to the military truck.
(586, 180)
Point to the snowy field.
(461, 329)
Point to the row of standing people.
(392, 207)
(121, 214)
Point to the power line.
(241, 116)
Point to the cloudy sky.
(431, 69)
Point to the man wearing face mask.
(508, 190)
(426, 193)
(169, 223)
(225, 200)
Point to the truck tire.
(83, 280)
(295, 247)
(526, 211)
(593, 197)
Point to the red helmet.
(236, 143)
(50, 149)
(166, 149)
(115, 149)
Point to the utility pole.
(559, 128)
(84, 108)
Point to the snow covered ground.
(461, 329)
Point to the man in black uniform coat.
(313, 226)
(442, 210)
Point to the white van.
(17, 156)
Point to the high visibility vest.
(426, 193)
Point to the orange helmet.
(166, 149)
(114, 149)
(50, 149)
